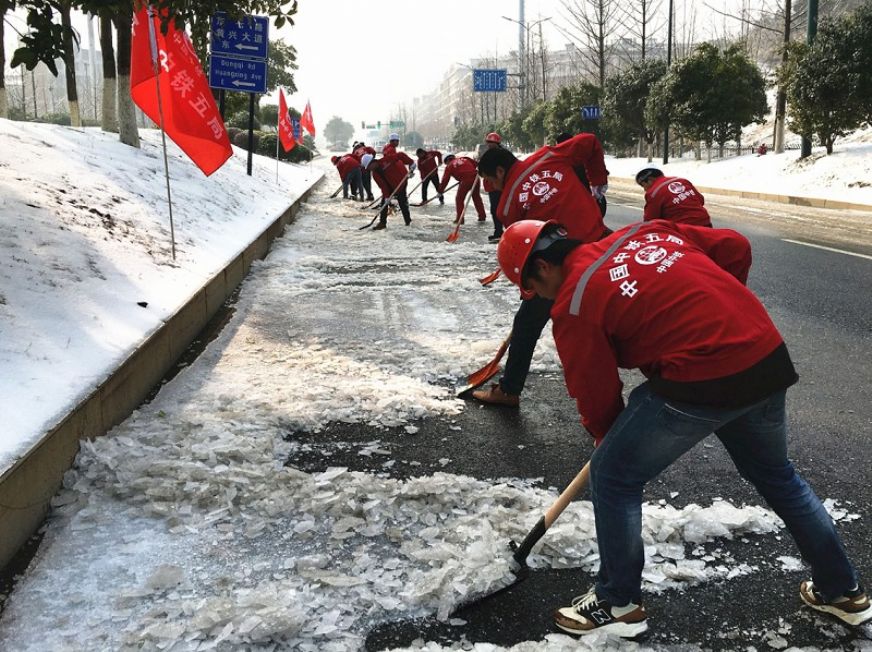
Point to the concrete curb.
(27, 487)
(811, 202)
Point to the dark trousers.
(526, 328)
(366, 177)
(403, 201)
(431, 179)
(494, 199)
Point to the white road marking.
(838, 251)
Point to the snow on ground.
(844, 175)
(85, 236)
(183, 529)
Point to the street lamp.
(521, 58)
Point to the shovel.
(491, 369)
(520, 570)
(490, 278)
(424, 203)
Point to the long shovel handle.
(423, 179)
(424, 203)
(578, 484)
(396, 190)
(337, 191)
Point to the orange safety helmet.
(515, 248)
(493, 137)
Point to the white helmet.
(394, 136)
(365, 160)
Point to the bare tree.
(640, 19)
(127, 130)
(109, 119)
(590, 25)
(685, 31)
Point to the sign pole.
(250, 130)
(153, 41)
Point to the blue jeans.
(354, 180)
(651, 433)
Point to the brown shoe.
(496, 396)
(379, 227)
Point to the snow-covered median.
(85, 237)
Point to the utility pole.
(668, 64)
(781, 98)
(522, 91)
(811, 32)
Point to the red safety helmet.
(515, 248)
(333, 159)
(493, 137)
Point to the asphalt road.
(820, 299)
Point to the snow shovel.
(490, 278)
(337, 191)
(520, 570)
(491, 369)
(424, 203)
(454, 236)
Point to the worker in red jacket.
(429, 161)
(670, 300)
(359, 150)
(463, 169)
(672, 198)
(391, 177)
(542, 186)
(349, 170)
(491, 141)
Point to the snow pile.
(85, 238)
(844, 175)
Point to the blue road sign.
(248, 37)
(592, 112)
(484, 80)
(234, 74)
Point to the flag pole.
(278, 137)
(152, 37)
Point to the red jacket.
(462, 168)
(675, 199)
(429, 162)
(544, 186)
(346, 164)
(360, 151)
(666, 298)
(395, 161)
(388, 175)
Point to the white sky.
(361, 60)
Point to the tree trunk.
(781, 98)
(109, 120)
(70, 65)
(127, 130)
(4, 108)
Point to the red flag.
(286, 133)
(306, 121)
(190, 116)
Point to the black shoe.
(379, 226)
(495, 237)
(408, 222)
(370, 198)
